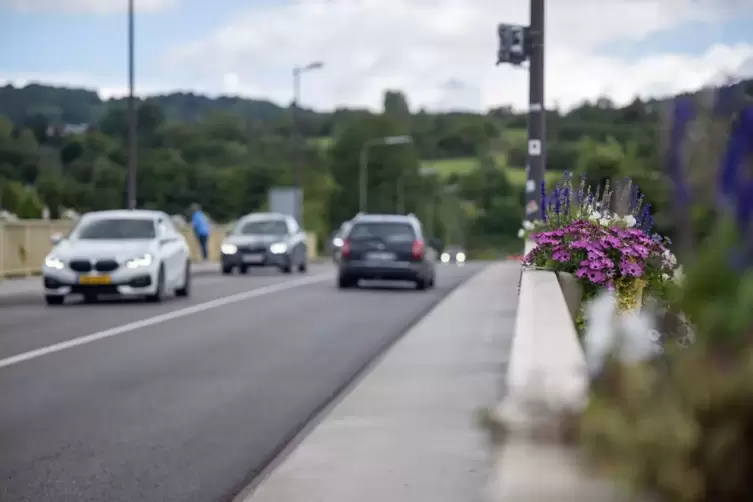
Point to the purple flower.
(595, 276)
(611, 241)
(630, 269)
(641, 251)
(562, 255)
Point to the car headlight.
(141, 261)
(337, 242)
(460, 257)
(278, 248)
(53, 262)
(229, 249)
(445, 257)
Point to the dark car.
(453, 254)
(386, 247)
(337, 240)
(265, 240)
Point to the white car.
(129, 253)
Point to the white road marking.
(168, 316)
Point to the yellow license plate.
(95, 280)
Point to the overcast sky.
(441, 53)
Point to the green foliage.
(226, 152)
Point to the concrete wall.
(547, 380)
(25, 243)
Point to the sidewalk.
(33, 285)
(407, 432)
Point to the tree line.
(67, 148)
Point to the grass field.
(460, 166)
(517, 175)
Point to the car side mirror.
(56, 238)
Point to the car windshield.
(116, 228)
(384, 231)
(263, 227)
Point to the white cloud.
(419, 46)
(88, 6)
(440, 52)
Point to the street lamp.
(131, 174)
(297, 175)
(364, 163)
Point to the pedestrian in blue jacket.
(201, 228)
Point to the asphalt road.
(188, 400)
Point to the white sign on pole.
(534, 147)
(530, 186)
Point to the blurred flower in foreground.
(629, 335)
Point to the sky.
(440, 53)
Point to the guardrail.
(25, 243)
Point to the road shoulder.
(406, 432)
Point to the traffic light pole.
(536, 161)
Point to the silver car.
(265, 240)
(126, 253)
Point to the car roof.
(146, 214)
(262, 217)
(384, 218)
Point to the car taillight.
(345, 249)
(417, 250)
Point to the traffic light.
(513, 44)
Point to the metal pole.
(298, 203)
(536, 166)
(132, 118)
(363, 177)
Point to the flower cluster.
(621, 205)
(602, 255)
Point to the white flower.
(595, 215)
(631, 334)
(521, 233)
(629, 220)
(665, 277)
(528, 225)
(605, 222)
(670, 258)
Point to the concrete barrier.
(546, 382)
(25, 243)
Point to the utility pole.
(536, 165)
(132, 118)
(518, 44)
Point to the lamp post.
(364, 163)
(297, 164)
(132, 118)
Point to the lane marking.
(158, 319)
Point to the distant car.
(453, 254)
(126, 253)
(386, 247)
(265, 240)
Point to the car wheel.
(227, 269)
(303, 266)
(159, 295)
(54, 299)
(243, 270)
(286, 269)
(185, 290)
(422, 284)
(346, 282)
